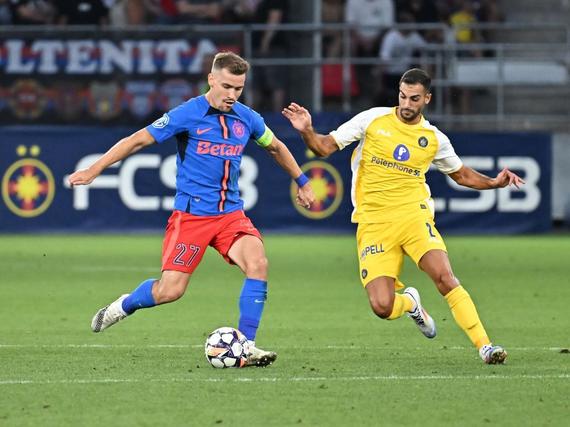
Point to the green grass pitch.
(338, 365)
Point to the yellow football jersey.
(390, 162)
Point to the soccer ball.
(225, 348)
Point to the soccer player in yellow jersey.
(393, 205)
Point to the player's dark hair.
(415, 76)
(235, 64)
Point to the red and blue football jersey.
(210, 148)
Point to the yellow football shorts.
(381, 247)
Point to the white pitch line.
(290, 379)
(327, 347)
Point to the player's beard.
(410, 116)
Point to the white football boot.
(109, 315)
(419, 315)
(258, 357)
(493, 354)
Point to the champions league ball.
(225, 348)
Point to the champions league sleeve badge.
(104, 100)
(27, 99)
(140, 98)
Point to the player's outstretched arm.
(471, 178)
(126, 146)
(300, 118)
(284, 158)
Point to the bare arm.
(321, 145)
(122, 149)
(285, 159)
(275, 17)
(469, 177)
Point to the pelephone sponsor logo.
(395, 165)
(401, 153)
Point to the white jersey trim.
(355, 164)
(445, 159)
(355, 129)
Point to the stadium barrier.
(137, 194)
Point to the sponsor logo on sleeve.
(161, 122)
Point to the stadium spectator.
(240, 11)
(31, 12)
(270, 82)
(393, 209)
(332, 44)
(199, 11)
(370, 18)
(211, 131)
(489, 12)
(81, 12)
(332, 13)
(126, 12)
(161, 11)
(399, 51)
(424, 12)
(5, 13)
(461, 21)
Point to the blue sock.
(251, 303)
(141, 297)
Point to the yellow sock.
(401, 304)
(466, 316)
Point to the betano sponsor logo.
(205, 147)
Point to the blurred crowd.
(374, 33)
(129, 12)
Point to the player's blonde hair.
(235, 64)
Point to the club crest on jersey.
(401, 153)
(238, 129)
(162, 122)
(423, 141)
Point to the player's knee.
(169, 291)
(446, 282)
(382, 309)
(257, 268)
